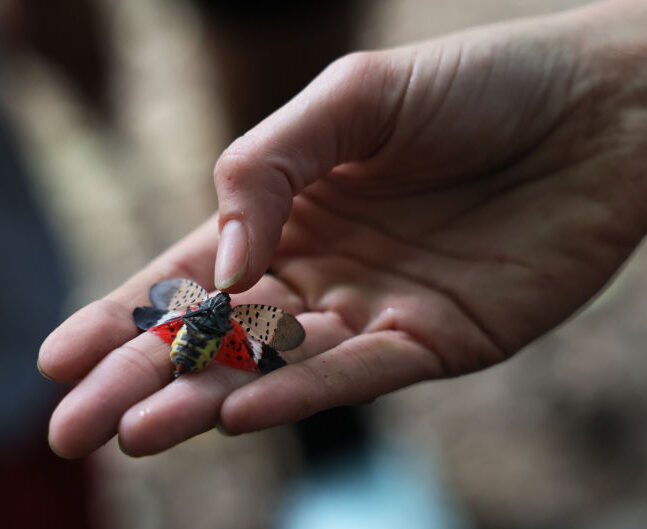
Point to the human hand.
(453, 200)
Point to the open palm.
(452, 201)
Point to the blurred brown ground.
(556, 437)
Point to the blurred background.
(112, 114)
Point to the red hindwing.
(167, 331)
(236, 350)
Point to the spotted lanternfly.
(202, 328)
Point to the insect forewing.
(171, 299)
(177, 294)
(271, 325)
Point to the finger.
(343, 115)
(88, 416)
(88, 335)
(72, 349)
(356, 371)
(323, 331)
(82, 340)
(191, 405)
(183, 409)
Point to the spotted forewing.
(270, 325)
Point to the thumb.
(342, 116)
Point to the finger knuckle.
(232, 164)
(352, 67)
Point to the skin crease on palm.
(453, 200)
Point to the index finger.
(73, 348)
(342, 116)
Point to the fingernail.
(231, 261)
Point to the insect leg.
(190, 324)
(196, 311)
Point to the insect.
(202, 328)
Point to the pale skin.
(464, 196)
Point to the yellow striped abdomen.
(194, 349)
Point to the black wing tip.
(146, 317)
(270, 359)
